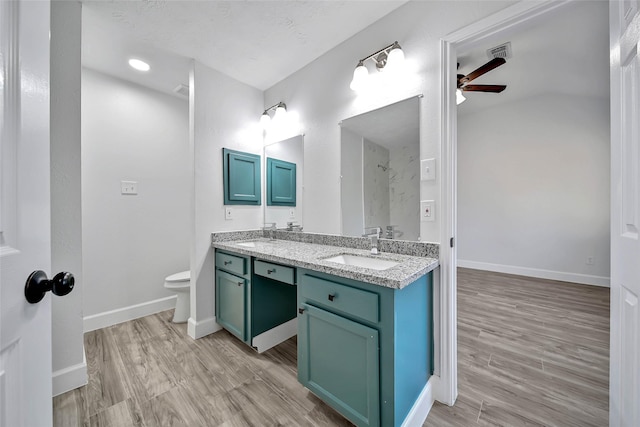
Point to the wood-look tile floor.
(148, 372)
(530, 352)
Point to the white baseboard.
(584, 279)
(275, 336)
(199, 329)
(421, 407)
(113, 317)
(71, 377)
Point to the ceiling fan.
(463, 80)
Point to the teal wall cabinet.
(241, 178)
(365, 350)
(281, 183)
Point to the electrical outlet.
(591, 260)
(427, 210)
(427, 169)
(228, 213)
(129, 187)
(292, 213)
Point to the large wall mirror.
(380, 168)
(283, 181)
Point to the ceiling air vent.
(182, 90)
(501, 51)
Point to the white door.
(25, 329)
(624, 401)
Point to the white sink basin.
(254, 244)
(362, 261)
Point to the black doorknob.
(38, 285)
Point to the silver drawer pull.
(227, 262)
(239, 283)
(331, 297)
(271, 271)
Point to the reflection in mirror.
(380, 168)
(290, 150)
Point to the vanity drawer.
(231, 263)
(277, 272)
(346, 299)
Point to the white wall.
(69, 367)
(320, 94)
(533, 188)
(224, 113)
(132, 242)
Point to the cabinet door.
(230, 303)
(281, 183)
(338, 361)
(241, 178)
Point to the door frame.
(446, 390)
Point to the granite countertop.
(311, 256)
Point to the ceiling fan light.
(459, 97)
(360, 76)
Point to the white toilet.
(180, 284)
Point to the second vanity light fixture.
(280, 112)
(389, 58)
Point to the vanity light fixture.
(389, 58)
(280, 112)
(139, 64)
(459, 97)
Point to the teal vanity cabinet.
(366, 350)
(232, 275)
(252, 295)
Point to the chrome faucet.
(373, 233)
(271, 227)
(292, 226)
(374, 244)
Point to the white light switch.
(426, 210)
(129, 187)
(427, 169)
(292, 213)
(228, 213)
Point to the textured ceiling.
(256, 42)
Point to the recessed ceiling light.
(139, 65)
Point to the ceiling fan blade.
(484, 88)
(494, 63)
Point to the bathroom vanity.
(364, 322)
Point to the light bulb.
(395, 58)
(265, 120)
(459, 97)
(360, 77)
(139, 65)
(280, 113)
